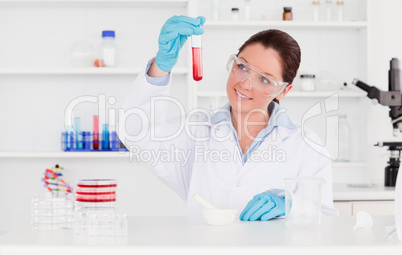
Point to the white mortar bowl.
(219, 216)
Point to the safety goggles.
(240, 71)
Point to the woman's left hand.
(264, 206)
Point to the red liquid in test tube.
(197, 57)
(95, 134)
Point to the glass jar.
(328, 9)
(247, 9)
(287, 13)
(307, 82)
(316, 10)
(215, 9)
(235, 13)
(343, 138)
(339, 7)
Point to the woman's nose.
(246, 84)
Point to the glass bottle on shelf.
(339, 7)
(316, 10)
(235, 13)
(328, 9)
(247, 9)
(215, 9)
(287, 13)
(108, 49)
(343, 138)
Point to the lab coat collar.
(278, 117)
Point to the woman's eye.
(242, 67)
(265, 80)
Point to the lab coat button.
(238, 184)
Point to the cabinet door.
(374, 207)
(344, 208)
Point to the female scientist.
(239, 156)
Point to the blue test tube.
(78, 136)
(105, 137)
(68, 138)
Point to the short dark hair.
(287, 48)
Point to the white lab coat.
(223, 181)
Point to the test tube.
(105, 137)
(197, 57)
(78, 136)
(95, 137)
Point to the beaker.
(303, 201)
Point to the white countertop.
(348, 192)
(183, 235)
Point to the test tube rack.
(71, 141)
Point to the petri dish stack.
(95, 193)
(93, 198)
(52, 211)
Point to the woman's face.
(265, 60)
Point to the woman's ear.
(284, 92)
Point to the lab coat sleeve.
(152, 138)
(317, 163)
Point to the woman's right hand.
(172, 37)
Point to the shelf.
(80, 71)
(336, 164)
(287, 24)
(92, 3)
(297, 94)
(89, 154)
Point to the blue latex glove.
(172, 37)
(264, 206)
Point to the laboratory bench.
(374, 198)
(186, 235)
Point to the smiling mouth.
(242, 96)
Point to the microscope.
(393, 99)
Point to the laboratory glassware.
(52, 211)
(95, 137)
(81, 54)
(343, 137)
(196, 47)
(105, 137)
(303, 202)
(93, 197)
(235, 14)
(316, 10)
(108, 49)
(287, 13)
(215, 9)
(307, 82)
(328, 9)
(247, 9)
(339, 7)
(78, 135)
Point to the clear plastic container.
(303, 202)
(108, 49)
(52, 211)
